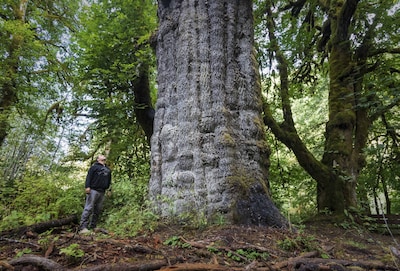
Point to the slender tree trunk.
(340, 145)
(387, 198)
(349, 120)
(8, 94)
(209, 155)
(8, 85)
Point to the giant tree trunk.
(209, 155)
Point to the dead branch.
(7, 266)
(19, 242)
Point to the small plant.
(176, 241)
(73, 252)
(220, 220)
(300, 243)
(234, 256)
(23, 252)
(253, 255)
(213, 250)
(250, 255)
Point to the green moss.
(258, 123)
(344, 119)
(227, 139)
(240, 184)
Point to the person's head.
(101, 159)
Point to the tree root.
(307, 263)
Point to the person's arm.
(108, 193)
(88, 179)
(109, 180)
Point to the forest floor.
(316, 246)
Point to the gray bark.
(209, 155)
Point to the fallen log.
(40, 227)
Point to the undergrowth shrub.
(40, 198)
(126, 211)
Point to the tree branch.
(286, 131)
(381, 51)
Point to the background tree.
(209, 152)
(31, 54)
(47, 110)
(115, 68)
(358, 41)
(113, 102)
(33, 79)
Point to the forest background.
(69, 91)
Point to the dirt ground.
(316, 246)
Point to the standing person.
(98, 180)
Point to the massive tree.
(358, 42)
(209, 154)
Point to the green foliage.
(73, 252)
(130, 219)
(293, 189)
(12, 219)
(41, 198)
(126, 211)
(381, 173)
(33, 48)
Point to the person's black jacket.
(98, 177)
